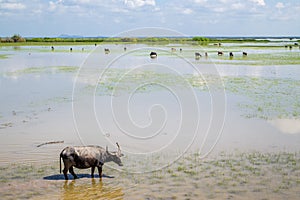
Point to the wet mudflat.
(237, 175)
(173, 151)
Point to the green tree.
(17, 38)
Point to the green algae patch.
(117, 81)
(267, 98)
(261, 97)
(4, 56)
(43, 70)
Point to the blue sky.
(109, 17)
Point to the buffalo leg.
(65, 171)
(100, 171)
(93, 170)
(72, 172)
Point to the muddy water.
(159, 110)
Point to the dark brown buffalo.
(83, 157)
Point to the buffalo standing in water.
(197, 56)
(83, 157)
(153, 54)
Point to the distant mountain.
(70, 36)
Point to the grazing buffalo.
(197, 56)
(106, 51)
(220, 53)
(230, 54)
(83, 157)
(245, 53)
(153, 54)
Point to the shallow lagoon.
(78, 96)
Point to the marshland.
(210, 128)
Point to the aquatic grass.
(234, 173)
(265, 98)
(49, 102)
(4, 56)
(268, 97)
(45, 70)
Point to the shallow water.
(157, 109)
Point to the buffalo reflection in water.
(95, 190)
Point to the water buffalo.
(220, 53)
(153, 54)
(245, 53)
(83, 157)
(106, 51)
(230, 54)
(197, 56)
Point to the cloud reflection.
(288, 126)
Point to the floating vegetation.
(268, 98)
(117, 81)
(6, 125)
(41, 70)
(50, 101)
(3, 56)
(265, 98)
(258, 59)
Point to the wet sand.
(238, 175)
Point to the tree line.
(16, 38)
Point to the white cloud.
(279, 5)
(259, 2)
(12, 6)
(201, 2)
(224, 1)
(187, 11)
(139, 3)
(54, 5)
(238, 6)
(253, 15)
(219, 9)
(117, 21)
(290, 126)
